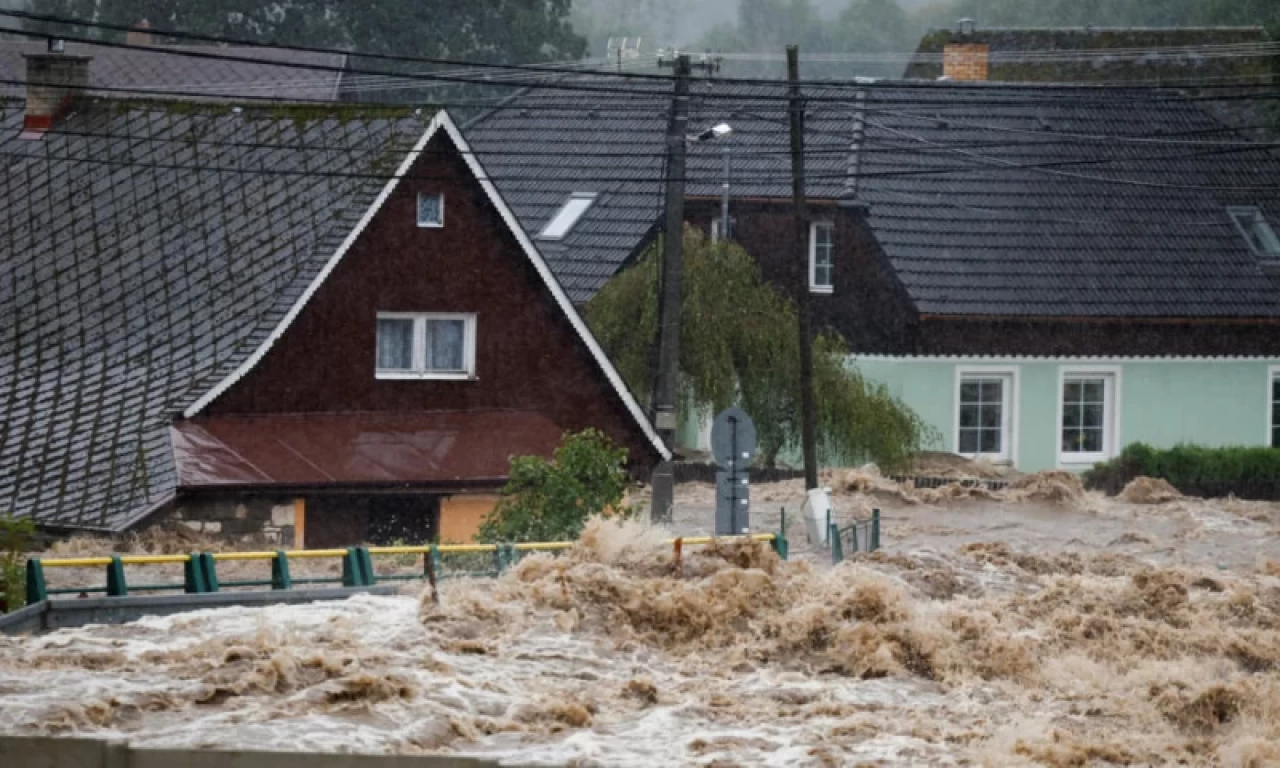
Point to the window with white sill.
(430, 211)
(821, 257)
(984, 417)
(1087, 432)
(425, 346)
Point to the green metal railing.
(859, 536)
(200, 569)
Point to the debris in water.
(1149, 490)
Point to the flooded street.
(1031, 626)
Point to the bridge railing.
(438, 561)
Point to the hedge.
(1245, 472)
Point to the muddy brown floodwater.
(1039, 625)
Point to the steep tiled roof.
(143, 254)
(159, 69)
(1123, 219)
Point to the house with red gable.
(319, 325)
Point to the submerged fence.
(858, 536)
(200, 569)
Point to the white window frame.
(418, 208)
(1110, 374)
(419, 371)
(813, 257)
(1010, 410)
(1273, 375)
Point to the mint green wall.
(1159, 402)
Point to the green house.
(1045, 272)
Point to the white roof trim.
(443, 121)
(1096, 359)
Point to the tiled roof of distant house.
(164, 71)
(1121, 219)
(1101, 54)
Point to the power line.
(651, 147)
(1070, 174)
(780, 177)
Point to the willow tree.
(739, 344)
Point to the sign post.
(733, 444)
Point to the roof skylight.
(567, 216)
(1257, 230)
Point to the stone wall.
(247, 519)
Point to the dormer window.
(430, 211)
(1257, 231)
(567, 216)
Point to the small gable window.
(821, 258)
(434, 346)
(567, 216)
(1257, 230)
(430, 210)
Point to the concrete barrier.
(57, 614)
(45, 752)
(24, 620)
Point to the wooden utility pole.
(672, 258)
(666, 387)
(800, 263)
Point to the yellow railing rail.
(531, 546)
(200, 568)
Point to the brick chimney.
(140, 34)
(55, 80)
(965, 61)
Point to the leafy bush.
(740, 344)
(16, 537)
(552, 500)
(1246, 472)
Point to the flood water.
(977, 637)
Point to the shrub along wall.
(1246, 472)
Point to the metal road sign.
(733, 442)
(733, 439)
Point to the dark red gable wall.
(527, 354)
(868, 305)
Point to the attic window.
(430, 211)
(567, 216)
(1257, 230)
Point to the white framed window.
(1088, 401)
(1256, 230)
(426, 346)
(430, 211)
(821, 257)
(986, 412)
(717, 224)
(1273, 406)
(568, 215)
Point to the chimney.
(54, 81)
(965, 61)
(140, 34)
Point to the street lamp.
(719, 131)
